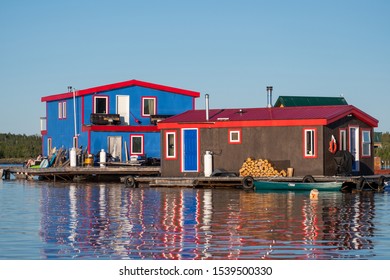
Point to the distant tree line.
(19, 146)
(384, 151)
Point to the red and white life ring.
(332, 145)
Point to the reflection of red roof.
(129, 83)
(275, 116)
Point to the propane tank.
(102, 158)
(73, 162)
(208, 164)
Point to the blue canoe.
(296, 186)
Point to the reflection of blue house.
(119, 118)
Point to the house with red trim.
(297, 137)
(120, 118)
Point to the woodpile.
(260, 168)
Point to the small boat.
(297, 186)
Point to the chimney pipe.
(269, 97)
(207, 107)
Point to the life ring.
(332, 146)
(360, 184)
(248, 182)
(130, 182)
(308, 179)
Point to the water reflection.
(112, 222)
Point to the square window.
(234, 136)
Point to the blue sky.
(231, 50)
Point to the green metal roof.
(291, 101)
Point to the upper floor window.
(148, 106)
(100, 104)
(310, 144)
(366, 143)
(62, 110)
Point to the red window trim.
(62, 115)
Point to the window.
(49, 146)
(100, 104)
(343, 140)
(310, 143)
(137, 144)
(366, 143)
(148, 106)
(62, 110)
(170, 145)
(234, 136)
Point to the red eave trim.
(237, 124)
(120, 85)
(43, 132)
(117, 128)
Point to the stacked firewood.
(260, 168)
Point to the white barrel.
(208, 164)
(102, 158)
(73, 162)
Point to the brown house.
(297, 137)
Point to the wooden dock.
(150, 176)
(95, 173)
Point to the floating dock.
(150, 176)
(94, 173)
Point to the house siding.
(95, 137)
(282, 145)
(260, 142)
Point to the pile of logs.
(259, 168)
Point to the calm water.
(41, 220)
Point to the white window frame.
(146, 98)
(167, 144)
(366, 143)
(64, 109)
(310, 152)
(95, 103)
(235, 132)
(343, 140)
(132, 152)
(60, 110)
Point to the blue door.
(190, 150)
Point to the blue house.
(120, 118)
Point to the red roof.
(129, 83)
(275, 116)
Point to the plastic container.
(102, 158)
(72, 156)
